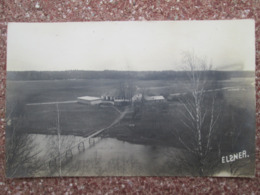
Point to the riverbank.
(134, 135)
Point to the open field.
(75, 118)
(65, 90)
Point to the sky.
(135, 46)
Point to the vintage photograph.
(147, 98)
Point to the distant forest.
(111, 74)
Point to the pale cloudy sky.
(230, 45)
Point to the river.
(107, 157)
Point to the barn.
(89, 100)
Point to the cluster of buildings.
(117, 101)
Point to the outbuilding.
(137, 97)
(121, 102)
(157, 98)
(89, 100)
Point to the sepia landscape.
(196, 118)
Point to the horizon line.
(126, 70)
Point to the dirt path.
(94, 133)
(50, 103)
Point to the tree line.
(112, 74)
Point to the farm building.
(157, 98)
(121, 102)
(89, 100)
(137, 97)
(175, 96)
(107, 97)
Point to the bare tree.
(126, 89)
(59, 137)
(59, 149)
(199, 116)
(21, 156)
